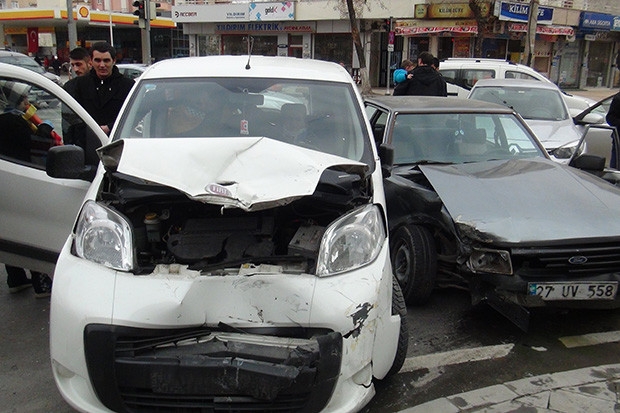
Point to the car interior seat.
(405, 146)
(473, 142)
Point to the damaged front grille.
(575, 261)
(203, 370)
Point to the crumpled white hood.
(249, 173)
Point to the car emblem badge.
(578, 260)
(217, 189)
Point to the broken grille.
(202, 370)
(566, 261)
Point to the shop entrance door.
(295, 45)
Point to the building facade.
(576, 43)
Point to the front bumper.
(270, 322)
(193, 370)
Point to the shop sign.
(198, 13)
(449, 11)
(519, 12)
(616, 26)
(550, 30)
(272, 11)
(258, 27)
(596, 21)
(205, 13)
(412, 27)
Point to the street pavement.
(592, 389)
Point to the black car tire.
(414, 262)
(399, 308)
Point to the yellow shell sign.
(83, 13)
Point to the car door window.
(450, 75)
(513, 74)
(471, 76)
(378, 120)
(61, 125)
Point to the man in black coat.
(103, 90)
(425, 79)
(613, 117)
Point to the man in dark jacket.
(613, 118)
(425, 80)
(103, 90)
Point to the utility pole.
(71, 27)
(531, 32)
(143, 10)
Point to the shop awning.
(552, 30)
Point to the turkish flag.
(33, 39)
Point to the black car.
(473, 199)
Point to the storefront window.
(598, 63)
(417, 45)
(334, 47)
(237, 45)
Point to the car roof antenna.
(250, 45)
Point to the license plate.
(574, 291)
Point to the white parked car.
(132, 70)
(461, 74)
(218, 258)
(543, 108)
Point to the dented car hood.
(553, 134)
(520, 201)
(250, 173)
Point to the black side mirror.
(67, 162)
(589, 162)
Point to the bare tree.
(485, 21)
(359, 49)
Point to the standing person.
(15, 141)
(79, 59)
(56, 65)
(401, 76)
(613, 119)
(103, 89)
(425, 80)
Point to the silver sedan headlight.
(104, 236)
(565, 151)
(490, 261)
(352, 241)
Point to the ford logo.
(578, 260)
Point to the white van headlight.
(352, 241)
(104, 236)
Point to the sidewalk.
(593, 389)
